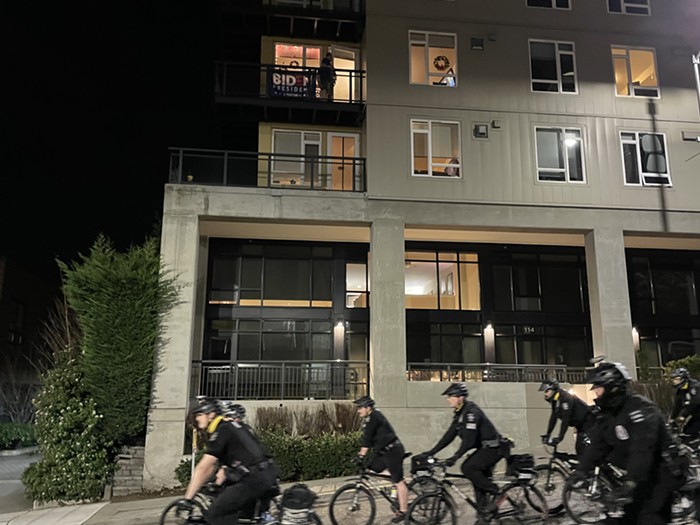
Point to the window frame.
(558, 54)
(454, 76)
(643, 174)
(630, 84)
(625, 5)
(562, 151)
(553, 5)
(429, 154)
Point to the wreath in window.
(441, 63)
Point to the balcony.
(271, 93)
(280, 379)
(266, 170)
(493, 372)
(334, 20)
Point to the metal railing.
(288, 82)
(334, 379)
(353, 6)
(493, 372)
(266, 170)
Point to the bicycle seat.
(407, 455)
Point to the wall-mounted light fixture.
(489, 340)
(635, 339)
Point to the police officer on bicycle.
(630, 433)
(249, 473)
(388, 451)
(476, 431)
(686, 406)
(570, 410)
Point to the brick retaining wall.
(128, 479)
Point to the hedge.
(13, 435)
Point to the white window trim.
(558, 54)
(624, 9)
(430, 122)
(304, 142)
(567, 171)
(552, 6)
(630, 85)
(642, 173)
(454, 76)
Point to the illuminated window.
(356, 285)
(435, 148)
(635, 72)
(442, 281)
(559, 155)
(433, 58)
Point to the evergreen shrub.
(13, 435)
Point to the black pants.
(392, 460)
(227, 505)
(478, 468)
(651, 504)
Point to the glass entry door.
(347, 82)
(344, 169)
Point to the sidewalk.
(141, 512)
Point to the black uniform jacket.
(631, 437)
(233, 445)
(472, 426)
(571, 410)
(687, 400)
(377, 432)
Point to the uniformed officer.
(630, 433)
(476, 431)
(241, 456)
(388, 451)
(570, 410)
(686, 407)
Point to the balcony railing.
(354, 6)
(490, 372)
(234, 79)
(266, 170)
(280, 379)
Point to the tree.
(119, 300)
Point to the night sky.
(98, 91)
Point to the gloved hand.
(449, 462)
(545, 438)
(554, 441)
(359, 461)
(185, 506)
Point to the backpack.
(297, 505)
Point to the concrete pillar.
(387, 347)
(611, 318)
(171, 381)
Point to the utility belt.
(391, 445)
(491, 443)
(237, 473)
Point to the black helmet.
(456, 390)
(681, 373)
(549, 384)
(233, 410)
(609, 374)
(364, 401)
(206, 408)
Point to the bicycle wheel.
(422, 485)
(432, 509)
(584, 503)
(521, 503)
(352, 504)
(173, 516)
(553, 488)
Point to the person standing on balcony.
(476, 431)
(570, 410)
(388, 451)
(327, 77)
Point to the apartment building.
(495, 192)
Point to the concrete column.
(171, 381)
(611, 318)
(387, 347)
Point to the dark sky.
(95, 93)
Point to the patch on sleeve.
(470, 417)
(693, 391)
(621, 433)
(213, 437)
(471, 426)
(637, 416)
(565, 405)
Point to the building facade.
(488, 193)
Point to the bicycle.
(552, 475)
(254, 515)
(355, 502)
(591, 501)
(517, 501)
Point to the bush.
(14, 435)
(183, 472)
